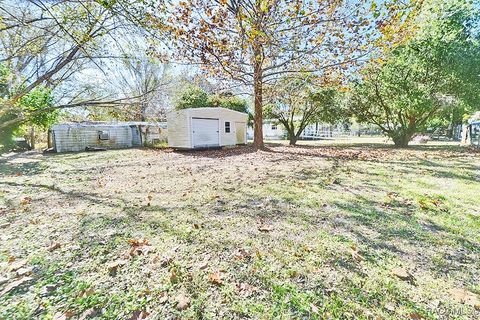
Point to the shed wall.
(180, 125)
(230, 139)
(179, 129)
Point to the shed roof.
(209, 109)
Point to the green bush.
(195, 97)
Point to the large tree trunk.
(402, 140)
(258, 92)
(403, 136)
(258, 119)
(293, 140)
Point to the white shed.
(206, 127)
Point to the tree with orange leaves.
(258, 42)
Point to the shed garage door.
(205, 133)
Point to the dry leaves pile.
(215, 278)
(139, 247)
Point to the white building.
(206, 127)
(272, 130)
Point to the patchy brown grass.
(335, 231)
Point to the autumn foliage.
(257, 43)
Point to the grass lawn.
(321, 231)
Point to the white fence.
(326, 133)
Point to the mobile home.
(71, 137)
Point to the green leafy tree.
(297, 103)
(36, 106)
(40, 99)
(195, 97)
(437, 68)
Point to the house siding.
(74, 137)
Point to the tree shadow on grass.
(430, 168)
(19, 165)
(396, 226)
(90, 197)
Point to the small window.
(103, 135)
(227, 126)
(274, 127)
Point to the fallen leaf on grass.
(15, 265)
(54, 247)
(465, 297)
(26, 271)
(356, 254)
(113, 266)
(139, 247)
(137, 242)
(173, 275)
(182, 302)
(26, 201)
(242, 254)
(265, 228)
(139, 315)
(245, 289)
(87, 293)
(14, 285)
(203, 265)
(416, 316)
(163, 297)
(215, 278)
(403, 274)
